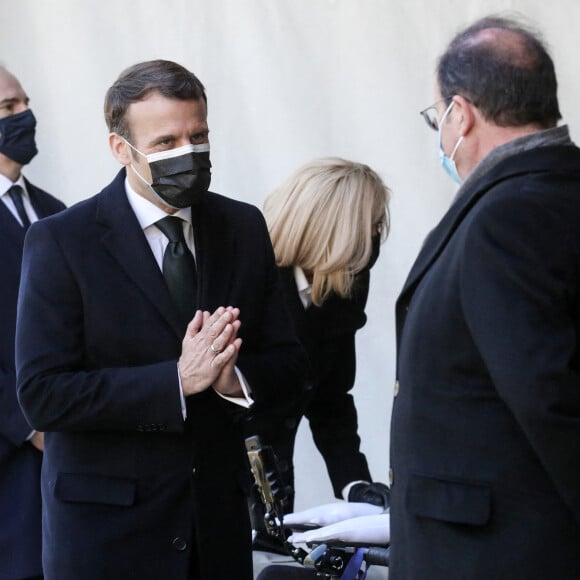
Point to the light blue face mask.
(447, 162)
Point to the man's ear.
(465, 113)
(120, 149)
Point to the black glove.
(374, 493)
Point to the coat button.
(391, 476)
(396, 388)
(179, 544)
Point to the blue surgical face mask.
(17, 137)
(448, 163)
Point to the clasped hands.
(209, 353)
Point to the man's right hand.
(209, 344)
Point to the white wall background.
(287, 81)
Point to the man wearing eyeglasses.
(485, 442)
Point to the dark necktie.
(15, 193)
(179, 267)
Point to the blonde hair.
(322, 218)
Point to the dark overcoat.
(485, 440)
(20, 530)
(130, 490)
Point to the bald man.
(485, 435)
(20, 447)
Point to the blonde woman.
(326, 223)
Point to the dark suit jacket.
(19, 461)
(97, 346)
(328, 335)
(485, 439)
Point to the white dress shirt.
(303, 286)
(5, 185)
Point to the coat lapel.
(534, 161)
(40, 206)
(125, 241)
(11, 226)
(437, 239)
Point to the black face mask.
(180, 176)
(17, 137)
(376, 248)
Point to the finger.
(221, 314)
(195, 324)
(221, 341)
(234, 357)
(216, 327)
(236, 344)
(221, 359)
(217, 313)
(211, 318)
(235, 327)
(234, 311)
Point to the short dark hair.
(504, 69)
(136, 82)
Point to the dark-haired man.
(485, 434)
(20, 447)
(133, 308)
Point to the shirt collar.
(147, 212)
(6, 184)
(303, 286)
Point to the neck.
(9, 168)
(501, 135)
(494, 136)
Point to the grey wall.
(287, 80)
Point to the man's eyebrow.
(12, 100)
(161, 138)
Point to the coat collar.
(10, 224)
(540, 160)
(41, 205)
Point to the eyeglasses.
(431, 115)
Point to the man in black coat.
(485, 438)
(20, 446)
(150, 316)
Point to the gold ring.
(214, 349)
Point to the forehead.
(10, 87)
(156, 114)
